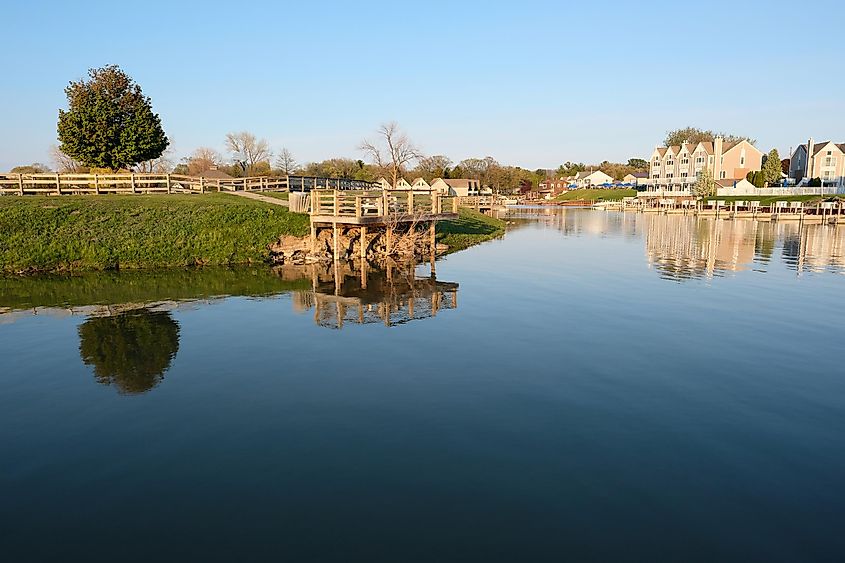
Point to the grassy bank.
(469, 229)
(596, 195)
(108, 232)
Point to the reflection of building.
(683, 247)
(342, 294)
(812, 248)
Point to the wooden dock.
(822, 212)
(367, 215)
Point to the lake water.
(596, 386)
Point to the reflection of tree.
(130, 350)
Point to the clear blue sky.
(529, 83)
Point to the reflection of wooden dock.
(342, 294)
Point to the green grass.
(469, 229)
(610, 194)
(111, 232)
(285, 196)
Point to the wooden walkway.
(262, 198)
(137, 183)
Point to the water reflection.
(131, 350)
(684, 247)
(129, 337)
(348, 292)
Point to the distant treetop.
(695, 135)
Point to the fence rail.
(141, 183)
(384, 203)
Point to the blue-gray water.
(597, 386)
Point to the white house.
(461, 187)
(401, 184)
(588, 179)
(420, 184)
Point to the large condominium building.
(826, 161)
(673, 170)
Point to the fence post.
(97, 184)
(132, 181)
(168, 183)
(411, 201)
(336, 209)
(454, 205)
(202, 185)
(58, 185)
(20, 184)
(357, 206)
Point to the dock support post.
(313, 237)
(363, 244)
(335, 250)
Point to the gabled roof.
(458, 182)
(818, 147)
(660, 150)
(419, 180)
(731, 146)
(706, 145)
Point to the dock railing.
(383, 203)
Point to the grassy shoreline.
(469, 229)
(598, 194)
(131, 232)
(82, 233)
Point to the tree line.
(110, 126)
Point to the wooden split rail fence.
(141, 183)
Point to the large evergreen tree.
(772, 167)
(109, 122)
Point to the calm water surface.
(596, 386)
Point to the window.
(742, 161)
(684, 161)
(670, 163)
(684, 174)
(722, 175)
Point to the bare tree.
(392, 152)
(431, 167)
(202, 160)
(286, 162)
(63, 162)
(250, 150)
(160, 165)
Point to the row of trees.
(110, 125)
